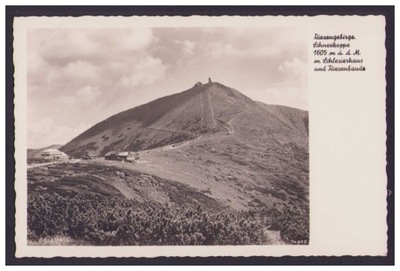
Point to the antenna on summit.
(209, 80)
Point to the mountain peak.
(211, 109)
(209, 83)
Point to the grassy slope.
(94, 179)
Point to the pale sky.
(79, 77)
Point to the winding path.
(228, 125)
(211, 109)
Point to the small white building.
(54, 155)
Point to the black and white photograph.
(167, 136)
(200, 136)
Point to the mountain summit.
(209, 110)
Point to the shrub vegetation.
(101, 220)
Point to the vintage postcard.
(201, 136)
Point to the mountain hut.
(123, 155)
(119, 156)
(112, 155)
(54, 155)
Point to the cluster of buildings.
(122, 156)
(54, 155)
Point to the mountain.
(207, 148)
(210, 109)
(214, 140)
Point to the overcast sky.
(78, 77)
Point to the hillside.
(209, 147)
(214, 139)
(205, 109)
